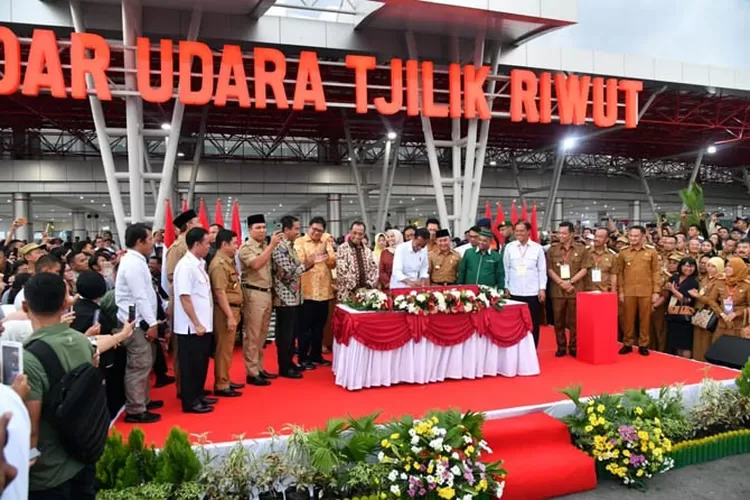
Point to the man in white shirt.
(526, 273)
(193, 321)
(15, 437)
(473, 241)
(135, 288)
(411, 262)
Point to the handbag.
(706, 319)
(677, 308)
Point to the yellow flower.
(407, 467)
(638, 410)
(590, 410)
(643, 435)
(592, 419)
(591, 402)
(651, 445)
(588, 428)
(385, 443)
(626, 461)
(395, 435)
(469, 450)
(600, 408)
(430, 468)
(657, 421)
(601, 421)
(435, 420)
(626, 453)
(447, 493)
(482, 485)
(639, 473)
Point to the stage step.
(539, 457)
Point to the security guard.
(225, 285)
(184, 222)
(567, 265)
(444, 261)
(257, 287)
(639, 284)
(602, 276)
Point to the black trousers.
(535, 308)
(193, 353)
(287, 323)
(314, 318)
(160, 363)
(79, 487)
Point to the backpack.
(75, 405)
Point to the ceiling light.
(711, 149)
(166, 126)
(8, 201)
(281, 205)
(400, 201)
(351, 201)
(391, 136)
(81, 197)
(568, 143)
(92, 201)
(493, 163)
(104, 204)
(412, 198)
(180, 154)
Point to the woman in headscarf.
(385, 268)
(701, 336)
(730, 298)
(380, 245)
(679, 327)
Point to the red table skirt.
(385, 331)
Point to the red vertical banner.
(218, 216)
(514, 213)
(524, 212)
(169, 235)
(534, 225)
(202, 215)
(185, 206)
(499, 219)
(487, 211)
(236, 223)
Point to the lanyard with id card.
(729, 301)
(565, 267)
(596, 272)
(521, 267)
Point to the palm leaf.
(692, 198)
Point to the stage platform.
(310, 402)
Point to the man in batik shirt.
(355, 265)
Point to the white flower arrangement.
(366, 299)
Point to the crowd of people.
(125, 310)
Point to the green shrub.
(743, 381)
(719, 409)
(178, 462)
(111, 462)
(150, 491)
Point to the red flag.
(202, 215)
(185, 206)
(169, 235)
(236, 223)
(499, 219)
(534, 225)
(524, 213)
(514, 213)
(487, 211)
(218, 217)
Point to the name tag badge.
(521, 269)
(437, 267)
(565, 271)
(596, 275)
(728, 305)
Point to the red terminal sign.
(530, 95)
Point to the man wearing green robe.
(482, 265)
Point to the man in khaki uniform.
(668, 265)
(567, 265)
(225, 285)
(639, 284)
(602, 276)
(184, 222)
(444, 261)
(257, 291)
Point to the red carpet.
(312, 401)
(539, 458)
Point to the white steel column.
(634, 212)
(456, 155)
(429, 141)
(401, 218)
(380, 216)
(739, 211)
(174, 135)
(484, 134)
(198, 153)
(466, 215)
(131, 22)
(391, 177)
(22, 209)
(334, 215)
(103, 139)
(514, 166)
(357, 179)
(647, 189)
(558, 212)
(555, 183)
(696, 168)
(78, 225)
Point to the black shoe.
(163, 381)
(199, 408)
(268, 376)
(206, 401)
(573, 353)
(322, 362)
(307, 365)
(227, 393)
(291, 374)
(154, 405)
(142, 418)
(234, 386)
(206, 392)
(296, 367)
(643, 351)
(266, 343)
(560, 353)
(626, 349)
(259, 381)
